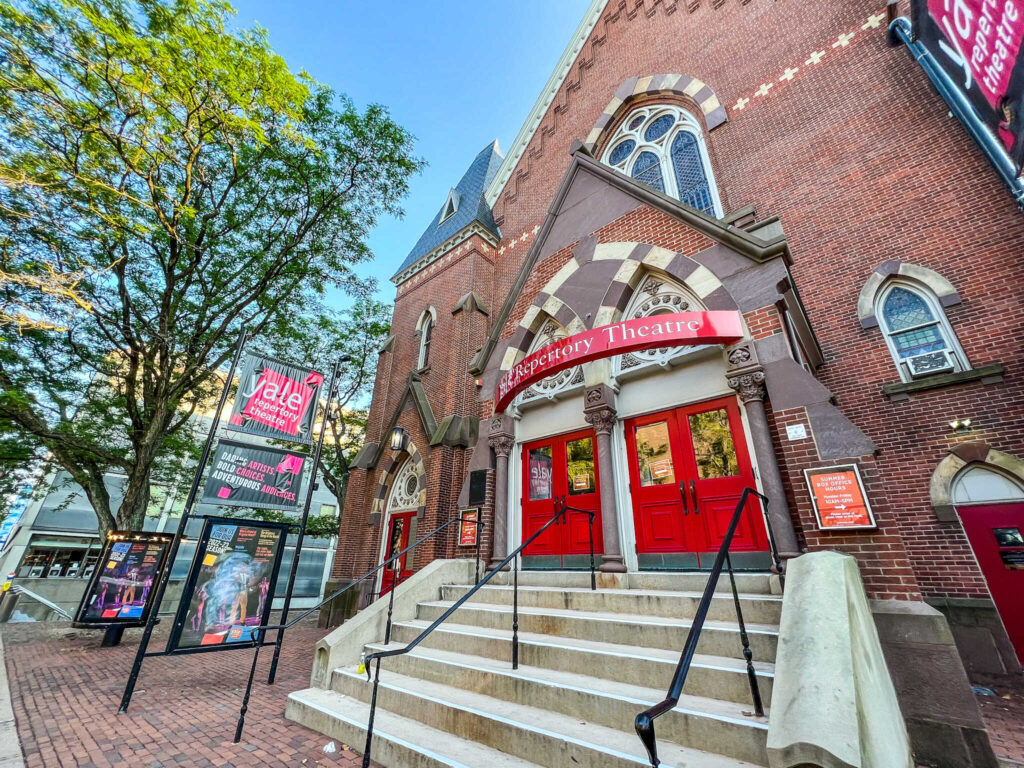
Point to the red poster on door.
(838, 497)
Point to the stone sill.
(986, 374)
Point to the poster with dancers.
(254, 476)
(129, 567)
(230, 586)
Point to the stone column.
(501, 439)
(600, 413)
(749, 385)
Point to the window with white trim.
(919, 336)
(425, 328)
(557, 383)
(663, 147)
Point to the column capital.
(748, 385)
(501, 443)
(601, 419)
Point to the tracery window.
(919, 336)
(549, 333)
(656, 295)
(663, 147)
(405, 489)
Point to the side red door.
(553, 468)
(400, 526)
(996, 533)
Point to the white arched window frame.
(656, 295)
(917, 331)
(981, 484)
(425, 331)
(663, 146)
(557, 383)
(405, 493)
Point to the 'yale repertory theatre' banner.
(276, 400)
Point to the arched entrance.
(400, 523)
(990, 503)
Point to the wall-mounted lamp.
(960, 425)
(397, 439)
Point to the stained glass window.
(916, 327)
(905, 309)
(691, 180)
(661, 146)
(647, 169)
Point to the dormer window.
(451, 205)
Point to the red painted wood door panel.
(996, 533)
(687, 469)
(556, 467)
(399, 526)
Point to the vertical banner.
(254, 476)
(121, 587)
(978, 43)
(468, 527)
(276, 399)
(230, 586)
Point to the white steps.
(589, 663)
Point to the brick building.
(740, 156)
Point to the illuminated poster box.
(839, 500)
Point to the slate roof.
(472, 206)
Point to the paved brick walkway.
(65, 691)
(1004, 715)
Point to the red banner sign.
(276, 400)
(680, 328)
(468, 527)
(838, 498)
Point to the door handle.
(682, 493)
(693, 493)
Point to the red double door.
(996, 533)
(688, 468)
(401, 525)
(556, 467)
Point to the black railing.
(645, 720)
(558, 518)
(259, 633)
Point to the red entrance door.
(996, 533)
(399, 528)
(552, 468)
(687, 469)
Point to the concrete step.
(718, 638)
(673, 581)
(699, 722)
(558, 739)
(717, 677)
(398, 742)
(761, 609)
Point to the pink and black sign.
(254, 476)
(978, 43)
(276, 400)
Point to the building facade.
(739, 156)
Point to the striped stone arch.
(637, 260)
(679, 85)
(384, 483)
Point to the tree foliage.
(184, 182)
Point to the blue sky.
(457, 74)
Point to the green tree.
(184, 182)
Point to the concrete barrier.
(343, 646)
(833, 704)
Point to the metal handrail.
(645, 720)
(259, 633)
(367, 658)
(19, 590)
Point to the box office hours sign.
(254, 476)
(839, 500)
(276, 399)
(978, 43)
(230, 586)
(120, 590)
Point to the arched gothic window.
(405, 490)
(919, 336)
(656, 295)
(549, 333)
(425, 328)
(663, 147)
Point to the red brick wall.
(858, 158)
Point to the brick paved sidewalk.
(65, 691)
(1004, 715)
